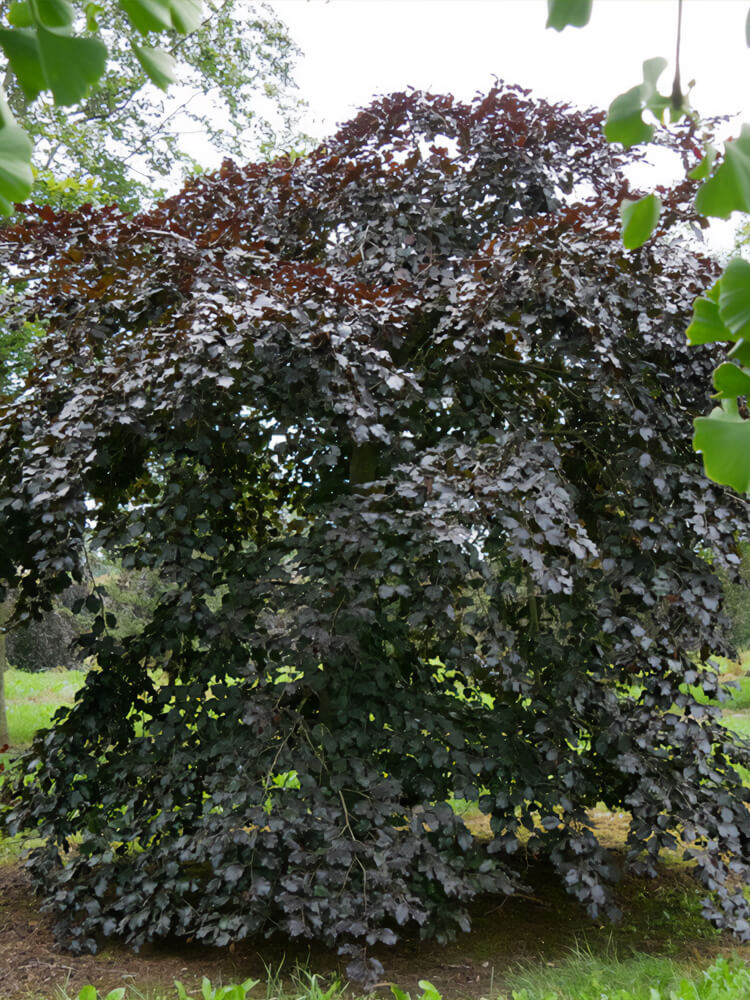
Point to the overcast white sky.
(354, 49)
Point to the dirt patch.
(660, 916)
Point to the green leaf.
(731, 381)
(707, 326)
(235, 993)
(561, 13)
(93, 12)
(116, 994)
(55, 14)
(148, 15)
(652, 70)
(206, 989)
(724, 439)
(429, 992)
(400, 994)
(16, 177)
(22, 52)
(20, 14)
(734, 298)
(703, 169)
(741, 352)
(639, 220)
(161, 15)
(729, 189)
(71, 65)
(657, 104)
(625, 122)
(186, 15)
(158, 65)
(87, 993)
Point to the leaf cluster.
(401, 427)
(722, 316)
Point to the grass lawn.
(32, 699)
(582, 976)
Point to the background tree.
(51, 641)
(16, 350)
(53, 47)
(124, 138)
(403, 425)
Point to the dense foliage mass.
(403, 427)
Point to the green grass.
(582, 976)
(32, 699)
(643, 977)
(302, 985)
(738, 722)
(739, 696)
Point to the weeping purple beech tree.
(404, 429)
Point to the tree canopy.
(122, 138)
(403, 426)
(49, 45)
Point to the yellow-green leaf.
(734, 298)
(724, 440)
(54, 14)
(187, 15)
(731, 381)
(148, 15)
(729, 189)
(639, 220)
(20, 14)
(561, 13)
(71, 65)
(707, 326)
(21, 50)
(15, 166)
(625, 122)
(701, 171)
(158, 64)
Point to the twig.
(676, 97)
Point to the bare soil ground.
(661, 917)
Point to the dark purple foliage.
(409, 433)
